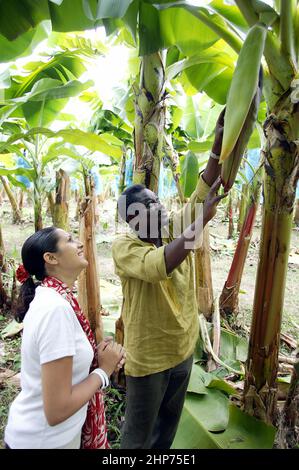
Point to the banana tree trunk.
(88, 282)
(38, 220)
(203, 276)
(288, 430)
(150, 120)
(281, 176)
(3, 294)
(61, 207)
(122, 180)
(230, 216)
(173, 159)
(21, 201)
(16, 218)
(51, 206)
(296, 213)
(243, 206)
(3, 266)
(122, 174)
(14, 294)
(78, 208)
(229, 299)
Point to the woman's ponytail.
(26, 295)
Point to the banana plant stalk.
(296, 213)
(51, 205)
(88, 282)
(16, 217)
(243, 205)
(229, 299)
(122, 179)
(288, 429)
(149, 120)
(173, 160)
(203, 277)
(21, 201)
(281, 175)
(3, 294)
(230, 214)
(61, 207)
(38, 219)
(122, 173)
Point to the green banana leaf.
(233, 350)
(241, 432)
(63, 66)
(207, 56)
(105, 143)
(230, 13)
(210, 421)
(17, 18)
(246, 432)
(29, 173)
(180, 27)
(197, 382)
(43, 103)
(200, 147)
(189, 174)
(201, 381)
(23, 45)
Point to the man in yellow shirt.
(160, 313)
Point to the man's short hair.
(127, 198)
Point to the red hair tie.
(21, 274)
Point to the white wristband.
(103, 376)
(213, 155)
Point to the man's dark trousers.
(154, 405)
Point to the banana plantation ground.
(222, 251)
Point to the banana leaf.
(241, 431)
(189, 174)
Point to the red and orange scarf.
(94, 431)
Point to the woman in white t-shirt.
(62, 370)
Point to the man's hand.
(211, 201)
(213, 169)
(219, 133)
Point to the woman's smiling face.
(70, 253)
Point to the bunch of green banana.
(231, 165)
(243, 89)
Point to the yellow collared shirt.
(159, 310)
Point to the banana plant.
(281, 174)
(3, 293)
(42, 152)
(16, 213)
(36, 95)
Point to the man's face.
(150, 214)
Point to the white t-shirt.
(51, 331)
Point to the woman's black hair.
(33, 250)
